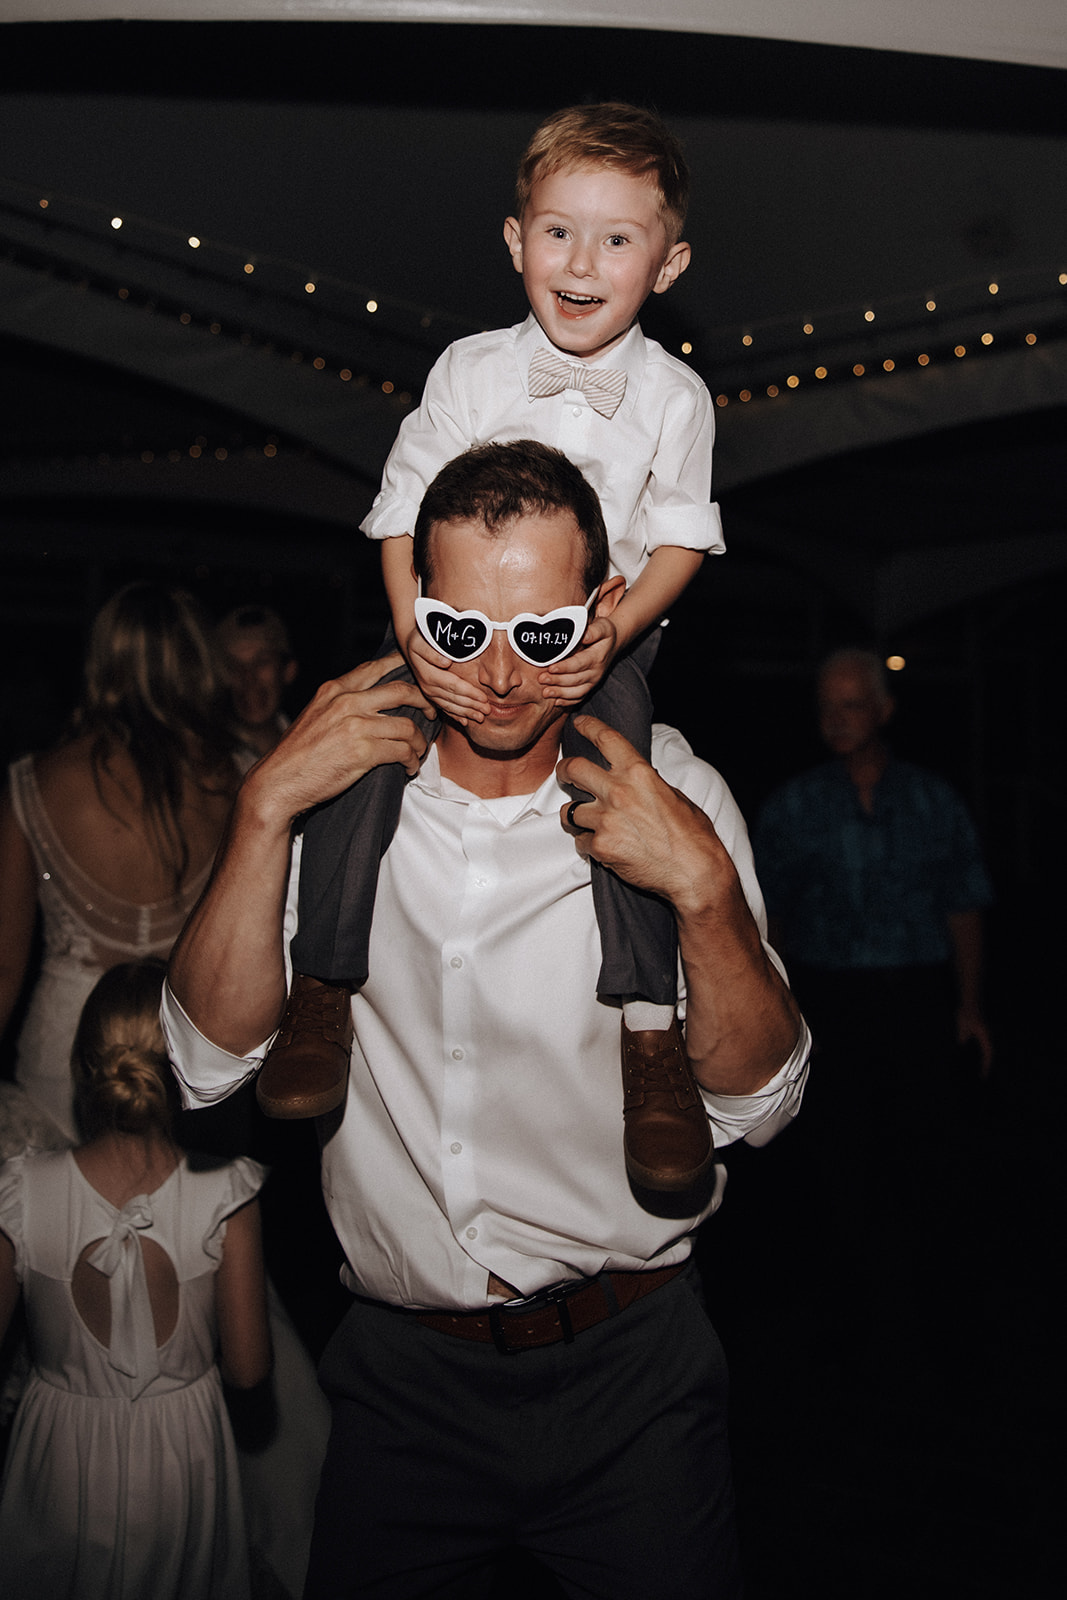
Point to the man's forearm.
(742, 1022)
(228, 967)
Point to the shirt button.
(457, 1055)
(472, 1233)
(457, 962)
(577, 411)
(456, 1148)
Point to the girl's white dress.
(121, 1479)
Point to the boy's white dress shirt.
(483, 1128)
(650, 463)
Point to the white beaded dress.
(86, 930)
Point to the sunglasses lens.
(544, 641)
(459, 638)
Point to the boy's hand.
(576, 676)
(462, 701)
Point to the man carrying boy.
(601, 199)
(526, 1360)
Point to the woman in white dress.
(137, 1267)
(111, 834)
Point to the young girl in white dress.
(142, 1275)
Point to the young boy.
(601, 200)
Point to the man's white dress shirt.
(483, 1127)
(650, 463)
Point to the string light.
(895, 311)
(895, 663)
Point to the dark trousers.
(345, 839)
(606, 1458)
(874, 1141)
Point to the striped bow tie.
(603, 387)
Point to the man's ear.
(513, 240)
(611, 592)
(674, 264)
(292, 667)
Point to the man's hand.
(741, 1021)
(340, 735)
(575, 678)
(462, 701)
(638, 825)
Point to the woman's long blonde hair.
(122, 1078)
(153, 690)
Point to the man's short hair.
(254, 619)
(496, 483)
(612, 134)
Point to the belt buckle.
(554, 1294)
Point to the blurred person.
(142, 1274)
(876, 890)
(253, 642)
(111, 834)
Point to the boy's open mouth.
(579, 302)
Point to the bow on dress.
(132, 1350)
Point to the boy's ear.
(611, 592)
(674, 264)
(513, 240)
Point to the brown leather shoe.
(306, 1072)
(667, 1139)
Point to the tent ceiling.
(1030, 31)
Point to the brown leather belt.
(554, 1315)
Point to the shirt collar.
(629, 356)
(547, 799)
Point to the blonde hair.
(122, 1077)
(612, 134)
(153, 689)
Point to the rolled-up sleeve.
(205, 1073)
(677, 508)
(430, 437)
(756, 1118)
